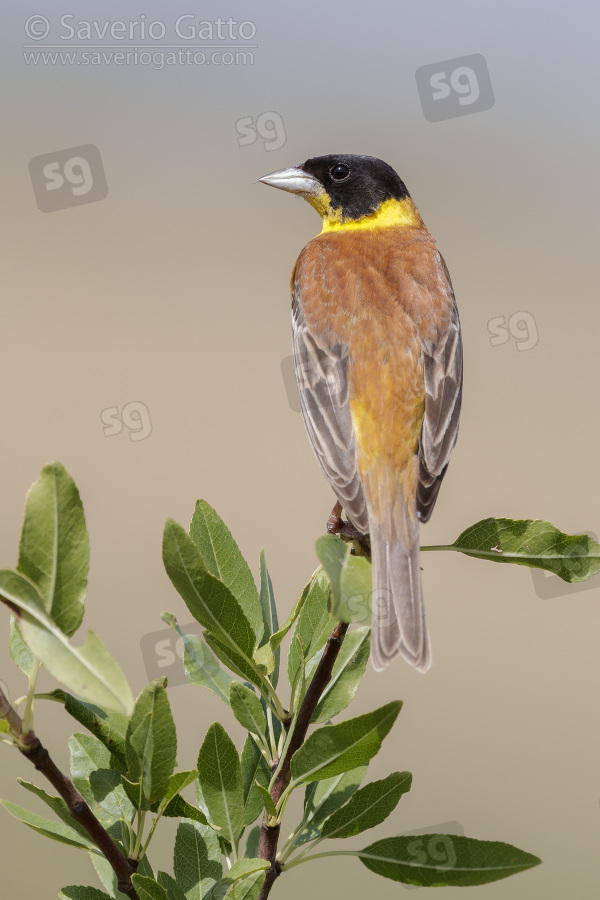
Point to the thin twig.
(32, 748)
(269, 836)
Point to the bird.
(379, 367)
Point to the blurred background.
(147, 342)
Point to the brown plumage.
(378, 361)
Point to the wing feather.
(322, 378)
(443, 367)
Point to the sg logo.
(164, 649)
(68, 178)
(521, 326)
(135, 416)
(434, 847)
(455, 87)
(548, 586)
(269, 126)
(438, 848)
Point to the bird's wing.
(322, 377)
(443, 363)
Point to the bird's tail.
(398, 612)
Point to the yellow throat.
(390, 213)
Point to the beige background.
(173, 291)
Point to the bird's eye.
(340, 172)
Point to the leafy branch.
(75, 807)
(123, 780)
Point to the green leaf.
(530, 542)
(368, 807)
(134, 792)
(55, 552)
(220, 776)
(267, 800)
(144, 867)
(177, 783)
(57, 696)
(331, 552)
(356, 590)
(108, 727)
(57, 831)
(254, 768)
(82, 892)
(297, 671)
(151, 749)
(113, 804)
(267, 599)
(201, 666)
(247, 708)
(332, 749)
(210, 602)
(20, 653)
(98, 781)
(234, 661)
(267, 661)
(200, 801)
(252, 842)
(179, 808)
(348, 670)
(108, 791)
(277, 726)
(87, 755)
(269, 612)
(224, 844)
(58, 807)
(197, 859)
(322, 798)
(106, 874)
(223, 559)
(276, 639)
(148, 888)
(350, 577)
(314, 624)
(174, 892)
(432, 860)
(242, 871)
(248, 888)
(87, 671)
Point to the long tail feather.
(398, 613)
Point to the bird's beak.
(294, 180)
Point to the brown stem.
(31, 747)
(267, 846)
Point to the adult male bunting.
(378, 360)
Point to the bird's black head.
(355, 185)
(349, 192)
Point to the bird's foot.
(346, 530)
